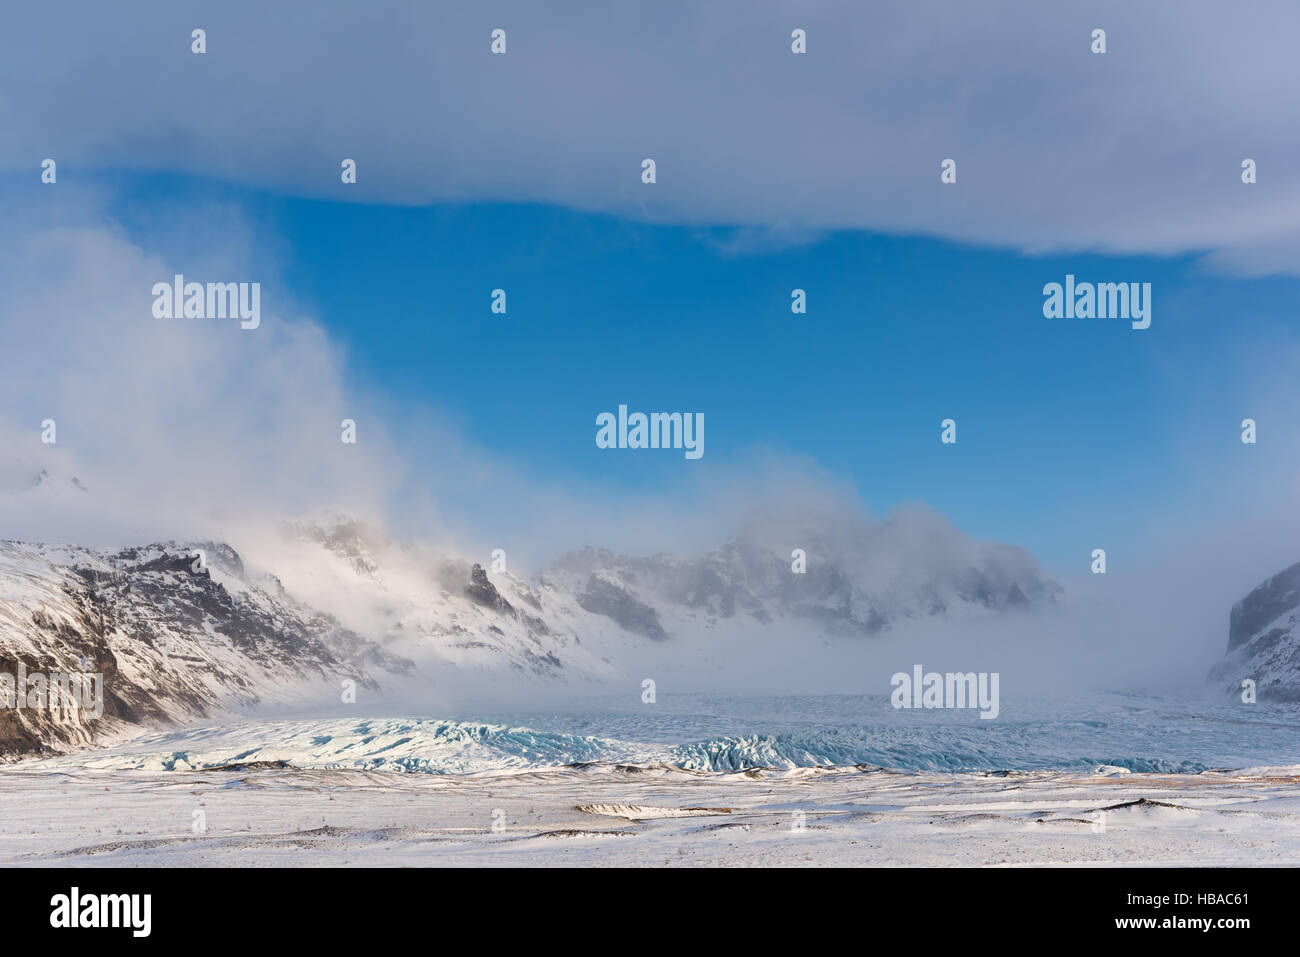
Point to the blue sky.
(1071, 433)
(775, 171)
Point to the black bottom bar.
(330, 907)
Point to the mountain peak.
(1264, 641)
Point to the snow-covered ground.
(691, 779)
(605, 814)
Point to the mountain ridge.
(1264, 641)
(183, 631)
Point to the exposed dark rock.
(482, 591)
(1268, 602)
(171, 642)
(1263, 643)
(603, 597)
(856, 580)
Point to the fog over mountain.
(191, 435)
(188, 630)
(321, 608)
(1264, 642)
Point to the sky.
(775, 171)
(900, 334)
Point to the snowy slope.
(859, 579)
(172, 642)
(333, 600)
(1263, 641)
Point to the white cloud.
(174, 427)
(1135, 150)
(195, 428)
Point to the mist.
(202, 431)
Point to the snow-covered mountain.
(330, 601)
(174, 638)
(856, 579)
(1263, 641)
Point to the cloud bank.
(1135, 150)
